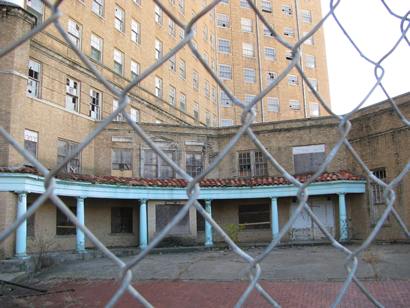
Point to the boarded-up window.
(254, 216)
(307, 159)
(121, 220)
(164, 214)
(64, 226)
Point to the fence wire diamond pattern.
(248, 115)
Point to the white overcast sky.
(375, 32)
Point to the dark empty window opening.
(64, 226)
(121, 220)
(254, 216)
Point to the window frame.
(95, 104)
(70, 146)
(33, 79)
(119, 18)
(124, 162)
(73, 92)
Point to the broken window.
(72, 100)
(252, 163)
(33, 81)
(121, 159)
(64, 226)
(156, 167)
(95, 104)
(74, 32)
(66, 148)
(121, 219)
(194, 164)
(254, 216)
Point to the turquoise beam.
(343, 225)
(80, 238)
(21, 232)
(143, 224)
(208, 227)
(275, 218)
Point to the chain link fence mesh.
(248, 115)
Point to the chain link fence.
(247, 118)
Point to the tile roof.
(342, 175)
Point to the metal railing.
(247, 118)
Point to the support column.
(208, 227)
(343, 225)
(274, 217)
(21, 232)
(80, 238)
(143, 224)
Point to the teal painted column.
(21, 232)
(343, 225)
(143, 224)
(80, 238)
(274, 217)
(208, 227)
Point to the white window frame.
(293, 80)
(222, 21)
(273, 104)
(135, 69)
(172, 95)
(31, 137)
(249, 75)
(97, 6)
(158, 90)
(95, 104)
(158, 14)
(287, 10)
(225, 100)
(226, 122)
(158, 49)
(271, 76)
(74, 32)
(182, 101)
(134, 114)
(314, 83)
(314, 109)
(182, 69)
(246, 25)
(120, 116)
(225, 72)
(307, 16)
(289, 32)
(195, 80)
(247, 50)
(310, 61)
(270, 53)
(33, 78)
(73, 90)
(173, 63)
(135, 31)
(171, 28)
(266, 6)
(118, 61)
(96, 43)
(294, 104)
(119, 18)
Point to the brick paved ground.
(391, 293)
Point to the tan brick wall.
(8, 211)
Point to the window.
(289, 56)
(267, 32)
(246, 25)
(225, 71)
(208, 119)
(135, 115)
(292, 80)
(195, 80)
(194, 164)
(376, 189)
(309, 40)
(97, 7)
(119, 18)
(64, 149)
(164, 214)
(266, 6)
(64, 226)
(156, 167)
(135, 69)
(182, 69)
(172, 95)
(249, 75)
(222, 20)
(118, 61)
(306, 16)
(95, 104)
(74, 32)
(307, 159)
(287, 10)
(196, 111)
(247, 50)
(33, 81)
(294, 104)
(254, 216)
(252, 163)
(310, 61)
(31, 142)
(171, 27)
(120, 116)
(270, 76)
(270, 53)
(273, 104)
(226, 122)
(224, 46)
(36, 8)
(314, 109)
(313, 82)
(205, 33)
(121, 159)
(135, 31)
(158, 87)
(212, 40)
(213, 94)
(121, 219)
(158, 14)
(72, 98)
(158, 49)
(225, 101)
(172, 63)
(182, 101)
(244, 4)
(289, 32)
(96, 47)
(207, 89)
(181, 5)
(137, 2)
